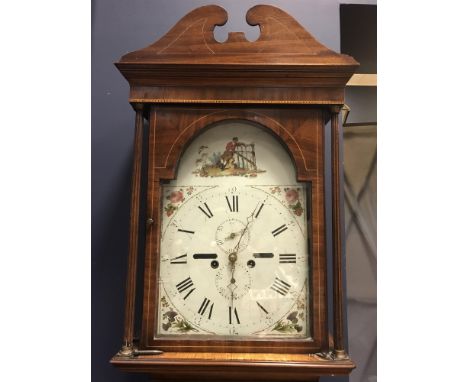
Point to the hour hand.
(263, 255)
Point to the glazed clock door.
(234, 245)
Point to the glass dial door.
(234, 243)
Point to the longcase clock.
(235, 260)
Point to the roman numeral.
(182, 259)
(184, 285)
(234, 206)
(231, 315)
(186, 231)
(208, 212)
(279, 230)
(204, 306)
(287, 258)
(189, 293)
(280, 286)
(258, 212)
(262, 308)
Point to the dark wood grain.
(282, 41)
(336, 136)
(134, 226)
(285, 65)
(152, 236)
(201, 92)
(284, 82)
(235, 367)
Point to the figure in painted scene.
(227, 159)
(238, 159)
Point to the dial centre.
(232, 236)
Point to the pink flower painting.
(176, 196)
(291, 196)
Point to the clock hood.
(285, 56)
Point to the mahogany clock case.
(292, 106)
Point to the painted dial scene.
(233, 253)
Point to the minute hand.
(249, 220)
(233, 256)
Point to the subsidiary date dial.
(233, 260)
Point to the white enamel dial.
(233, 260)
(233, 255)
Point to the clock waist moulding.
(291, 85)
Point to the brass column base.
(341, 354)
(126, 351)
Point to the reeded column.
(127, 347)
(336, 165)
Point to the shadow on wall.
(109, 263)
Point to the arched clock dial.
(234, 246)
(233, 261)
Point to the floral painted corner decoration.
(291, 197)
(176, 198)
(238, 159)
(172, 321)
(290, 325)
(295, 320)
